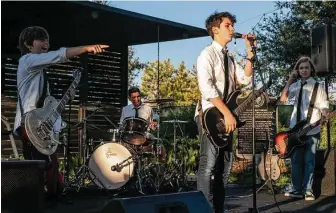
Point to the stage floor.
(239, 200)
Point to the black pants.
(51, 167)
(215, 162)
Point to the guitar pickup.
(223, 136)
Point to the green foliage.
(177, 83)
(75, 163)
(284, 114)
(134, 66)
(284, 37)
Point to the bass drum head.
(106, 156)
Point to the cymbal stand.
(158, 180)
(65, 151)
(182, 164)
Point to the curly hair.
(215, 19)
(29, 34)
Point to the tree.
(179, 84)
(282, 39)
(134, 66)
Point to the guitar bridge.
(41, 132)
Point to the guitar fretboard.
(70, 93)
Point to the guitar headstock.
(76, 73)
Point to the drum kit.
(132, 159)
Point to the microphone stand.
(253, 61)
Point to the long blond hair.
(303, 59)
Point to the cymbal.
(98, 106)
(159, 101)
(175, 121)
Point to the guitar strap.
(312, 101)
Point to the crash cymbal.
(175, 121)
(159, 101)
(98, 106)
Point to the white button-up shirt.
(211, 77)
(321, 102)
(30, 81)
(145, 112)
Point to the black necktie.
(226, 73)
(136, 112)
(40, 102)
(298, 112)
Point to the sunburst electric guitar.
(287, 141)
(39, 123)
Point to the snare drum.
(134, 130)
(112, 165)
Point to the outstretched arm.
(74, 51)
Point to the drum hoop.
(135, 118)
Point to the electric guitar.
(39, 123)
(214, 121)
(287, 141)
(268, 166)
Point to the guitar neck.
(242, 107)
(66, 97)
(308, 128)
(312, 126)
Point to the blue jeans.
(217, 162)
(303, 164)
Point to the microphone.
(239, 35)
(116, 168)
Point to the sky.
(194, 13)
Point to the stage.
(239, 200)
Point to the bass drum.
(108, 157)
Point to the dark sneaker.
(294, 194)
(309, 196)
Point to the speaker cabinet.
(325, 173)
(323, 49)
(185, 202)
(22, 183)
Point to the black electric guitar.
(39, 123)
(214, 121)
(285, 142)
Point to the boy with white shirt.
(33, 88)
(302, 91)
(218, 76)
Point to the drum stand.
(83, 171)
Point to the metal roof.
(71, 23)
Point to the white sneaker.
(309, 196)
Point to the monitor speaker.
(22, 183)
(325, 172)
(185, 202)
(323, 49)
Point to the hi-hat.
(159, 101)
(175, 121)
